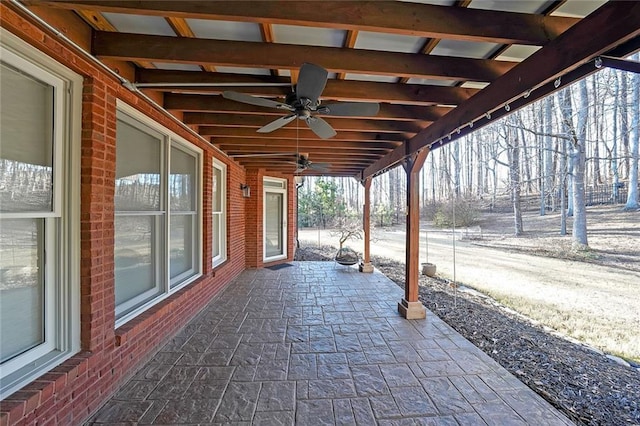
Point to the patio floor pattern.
(317, 343)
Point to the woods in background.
(575, 148)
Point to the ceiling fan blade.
(320, 127)
(311, 82)
(357, 109)
(253, 100)
(276, 124)
(321, 167)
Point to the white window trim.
(280, 189)
(63, 321)
(221, 239)
(169, 139)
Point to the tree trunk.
(614, 149)
(632, 194)
(624, 124)
(548, 149)
(514, 178)
(579, 229)
(567, 118)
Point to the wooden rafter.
(266, 30)
(217, 104)
(289, 56)
(349, 42)
(346, 124)
(431, 43)
(305, 144)
(341, 90)
(181, 27)
(382, 16)
(302, 133)
(98, 22)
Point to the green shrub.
(467, 213)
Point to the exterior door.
(275, 219)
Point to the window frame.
(161, 240)
(220, 216)
(61, 224)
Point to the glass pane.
(182, 181)
(217, 190)
(273, 184)
(216, 235)
(181, 244)
(26, 151)
(21, 286)
(137, 169)
(135, 257)
(273, 225)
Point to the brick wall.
(72, 391)
(254, 218)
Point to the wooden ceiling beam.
(181, 27)
(342, 124)
(266, 30)
(343, 153)
(206, 103)
(431, 43)
(267, 86)
(98, 22)
(315, 158)
(349, 42)
(290, 56)
(302, 134)
(564, 54)
(423, 20)
(303, 145)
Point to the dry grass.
(607, 334)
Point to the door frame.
(279, 186)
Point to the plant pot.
(347, 256)
(429, 269)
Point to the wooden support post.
(410, 307)
(366, 265)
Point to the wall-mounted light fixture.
(246, 191)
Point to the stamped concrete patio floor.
(317, 343)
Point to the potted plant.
(346, 255)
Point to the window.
(39, 214)
(157, 234)
(219, 213)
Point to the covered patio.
(319, 343)
(160, 180)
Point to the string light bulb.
(527, 93)
(598, 62)
(556, 83)
(471, 124)
(488, 115)
(507, 107)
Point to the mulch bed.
(584, 384)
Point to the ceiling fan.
(300, 160)
(303, 103)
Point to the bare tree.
(632, 194)
(578, 158)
